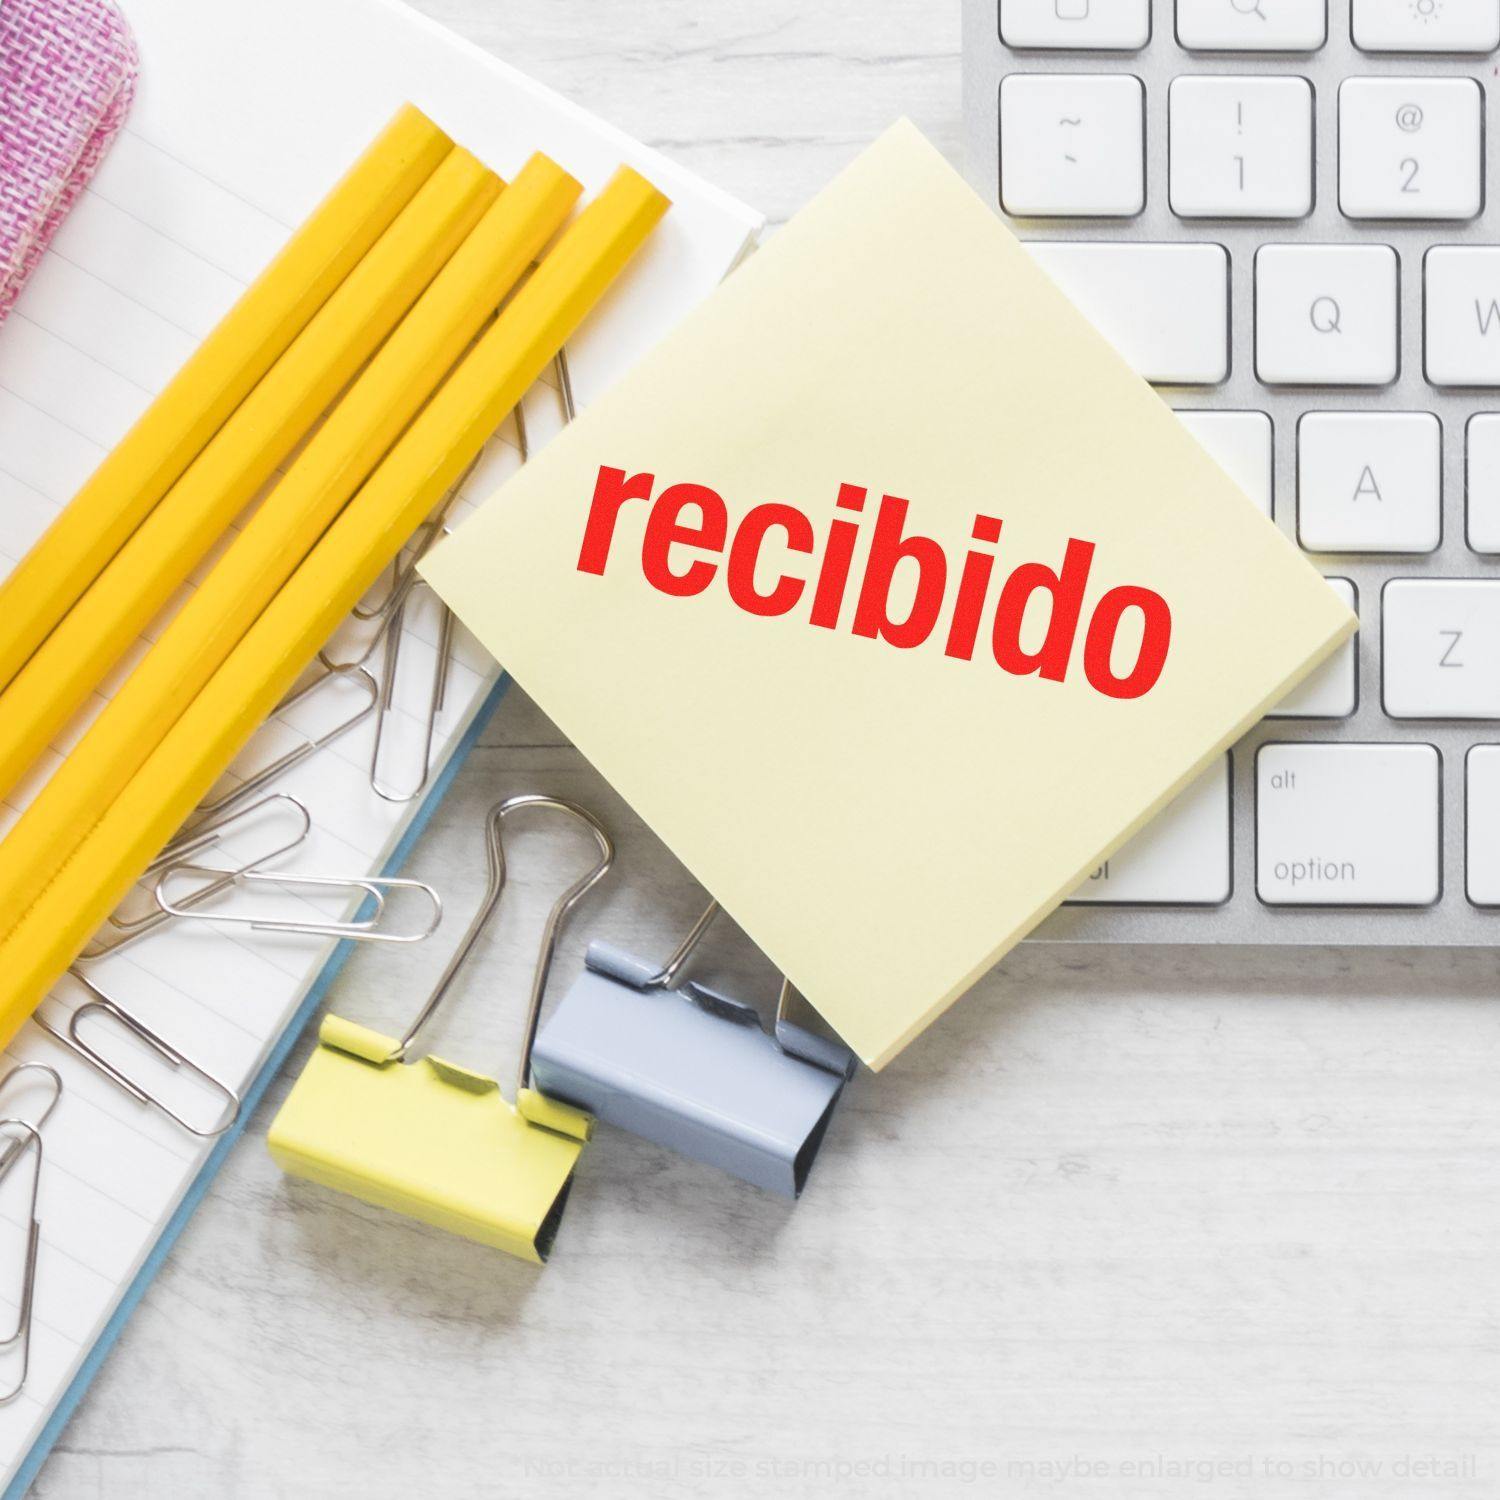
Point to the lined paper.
(199, 191)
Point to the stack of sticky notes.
(889, 596)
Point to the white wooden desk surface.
(1150, 1209)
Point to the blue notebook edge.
(63, 1411)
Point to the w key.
(1463, 315)
(1441, 648)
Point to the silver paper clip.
(403, 576)
(565, 385)
(101, 1004)
(20, 1136)
(391, 614)
(23, 1136)
(12, 1148)
(390, 620)
(436, 696)
(125, 929)
(364, 927)
(565, 393)
(311, 744)
(691, 1068)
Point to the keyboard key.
(1072, 144)
(1326, 314)
(1164, 307)
(1331, 692)
(1252, 25)
(1242, 148)
(1463, 315)
(1440, 643)
(1102, 25)
(1482, 824)
(1240, 443)
(1483, 468)
(1182, 857)
(1411, 148)
(1427, 25)
(1369, 482)
(1348, 825)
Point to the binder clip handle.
(797, 1039)
(792, 1030)
(561, 908)
(667, 976)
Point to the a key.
(1099, 25)
(1463, 315)
(1182, 856)
(1332, 691)
(1251, 25)
(1240, 443)
(1072, 144)
(1427, 25)
(1164, 307)
(1326, 315)
(1440, 644)
(1369, 482)
(1411, 148)
(1483, 471)
(1347, 825)
(1241, 148)
(1482, 824)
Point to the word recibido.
(691, 518)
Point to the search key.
(1326, 315)
(1252, 25)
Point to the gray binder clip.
(692, 1068)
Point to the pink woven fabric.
(67, 75)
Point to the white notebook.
(245, 116)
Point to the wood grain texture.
(1149, 1208)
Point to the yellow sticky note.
(888, 595)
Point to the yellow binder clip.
(433, 1140)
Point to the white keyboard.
(1280, 212)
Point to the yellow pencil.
(340, 456)
(60, 917)
(266, 426)
(226, 367)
